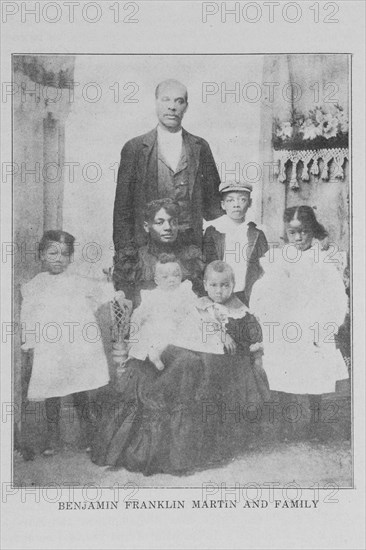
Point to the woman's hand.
(230, 344)
(258, 362)
(27, 347)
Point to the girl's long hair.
(306, 215)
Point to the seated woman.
(135, 270)
(202, 408)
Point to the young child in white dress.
(162, 315)
(58, 323)
(301, 302)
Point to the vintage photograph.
(182, 269)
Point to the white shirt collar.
(224, 224)
(164, 135)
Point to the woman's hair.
(306, 215)
(171, 207)
(219, 267)
(57, 236)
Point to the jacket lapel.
(149, 164)
(220, 244)
(193, 151)
(252, 235)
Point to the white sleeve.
(99, 291)
(331, 300)
(265, 291)
(142, 313)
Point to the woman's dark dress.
(200, 410)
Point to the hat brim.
(235, 188)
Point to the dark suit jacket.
(214, 249)
(137, 185)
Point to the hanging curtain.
(317, 176)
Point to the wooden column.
(53, 172)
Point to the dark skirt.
(202, 409)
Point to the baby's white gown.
(169, 317)
(68, 350)
(300, 304)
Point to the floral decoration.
(320, 128)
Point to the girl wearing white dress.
(58, 322)
(301, 303)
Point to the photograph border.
(351, 257)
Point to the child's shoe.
(53, 440)
(52, 447)
(84, 443)
(49, 451)
(87, 431)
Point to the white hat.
(227, 186)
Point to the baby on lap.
(159, 319)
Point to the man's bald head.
(171, 82)
(171, 104)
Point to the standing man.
(167, 162)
